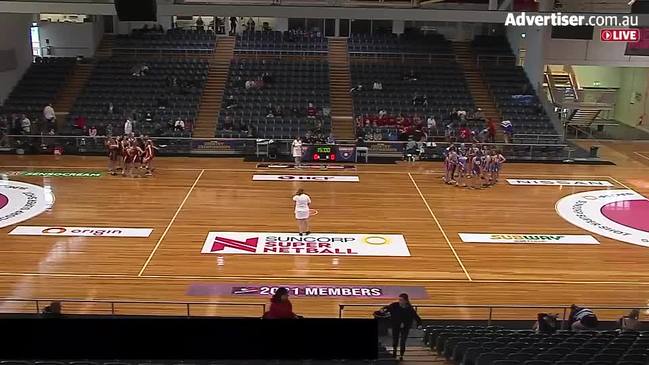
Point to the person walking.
(280, 306)
(302, 211)
(296, 151)
(402, 314)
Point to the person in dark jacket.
(582, 319)
(280, 306)
(402, 314)
(53, 310)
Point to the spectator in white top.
(128, 127)
(49, 115)
(296, 151)
(25, 124)
(179, 125)
(382, 113)
(431, 123)
(377, 85)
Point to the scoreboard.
(327, 153)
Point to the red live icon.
(620, 35)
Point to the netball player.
(113, 154)
(476, 171)
(462, 162)
(451, 166)
(498, 161)
(302, 201)
(149, 155)
(131, 157)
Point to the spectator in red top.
(311, 110)
(465, 133)
(491, 126)
(280, 306)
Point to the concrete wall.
(628, 108)
(606, 77)
(127, 27)
(72, 39)
(14, 35)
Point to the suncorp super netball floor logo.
(620, 214)
(21, 201)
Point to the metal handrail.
(564, 308)
(113, 302)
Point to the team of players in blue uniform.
(472, 166)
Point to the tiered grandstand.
(474, 345)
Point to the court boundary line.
(171, 222)
(266, 278)
(448, 242)
(308, 171)
(641, 154)
(620, 183)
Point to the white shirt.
(48, 112)
(296, 147)
(180, 123)
(128, 127)
(431, 123)
(302, 203)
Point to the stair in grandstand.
(584, 116)
(105, 48)
(477, 86)
(213, 92)
(340, 84)
(562, 86)
(72, 88)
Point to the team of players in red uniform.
(131, 154)
(482, 166)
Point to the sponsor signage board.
(53, 173)
(549, 182)
(315, 178)
(310, 166)
(529, 238)
(80, 231)
(321, 244)
(619, 214)
(21, 201)
(327, 291)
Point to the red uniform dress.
(281, 310)
(131, 154)
(149, 154)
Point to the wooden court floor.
(190, 197)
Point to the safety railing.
(402, 56)
(249, 146)
(494, 59)
(489, 312)
(131, 307)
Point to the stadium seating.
(287, 42)
(168, 90)
(39, 86)
(293, 85)
(471, 345)
(442, 83)
(399, 45)
(173, 41)
(514, 95)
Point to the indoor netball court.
(213, 233)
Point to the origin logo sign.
(620, 35)
(80, 231)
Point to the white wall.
(14, 34)
(593, 52)
(72, 39)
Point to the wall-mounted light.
(523, 35)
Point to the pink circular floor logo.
(3, 200)
(21, 201)
(619, 214)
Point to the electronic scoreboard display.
(327, 153)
